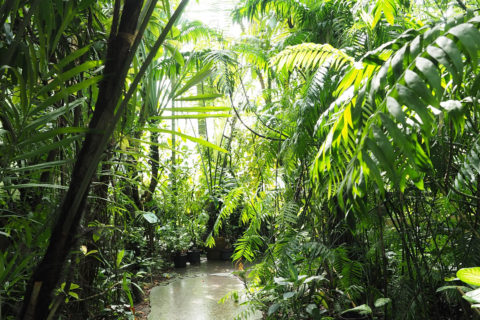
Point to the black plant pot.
(227, 254)
(353, 316)
(180, 260)
(194, 256)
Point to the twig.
(250, 129)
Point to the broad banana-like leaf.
(186, 136)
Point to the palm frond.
(310, 56)
(382, 131)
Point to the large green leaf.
(201, 97)
(198, 109)
(194, 80)
(150, 217)
(193, 116)
(63, 77)
(388, 8)
(46, 148)
(42, 136)
(186, 136)
(42, 166)
(361, 310)
(470, 275)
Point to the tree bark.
(45, 279)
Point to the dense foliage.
(335, 144)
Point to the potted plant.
(178, 241)
(196, 227)
(180, 257)
(193, 255)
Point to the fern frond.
(247, 246)
(193, 31)
(288, 214)
(231, 202)
(253, 52)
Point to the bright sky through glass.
(215, 14)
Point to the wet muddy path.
(195, 293)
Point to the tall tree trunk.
(120, 52)
(44, 280)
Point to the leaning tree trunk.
(47, 274)
(122, 45)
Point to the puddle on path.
(194, 294)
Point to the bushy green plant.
(174, 238)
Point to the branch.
(258, 117)
(462, 5)
(250, 129)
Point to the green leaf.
(198, 109)
(196, 79)
(91, 252)
(41, 166)
(380, 302)
(36, 185)
(310, 56)
(431, 75)
(72, 56)
(417, 84)
(193, 116)
(177, 55)
(46, 148)
(273, 308)
(388, 8)
(470, 275)
(150, 217)
(288, 295)
(444, 288)
(382, 158)
(441, 56)
(399, 137)
(473, 296)
(42, 136)
(120, 256)
(395, 109)
(362, 310)
(370, 166)
(63, 77)
(408, 97)
(186, 136)
(64, 93)
(449, 46)
(126, 288)
(469, 36)
(201, 97)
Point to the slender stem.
(250, 129)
